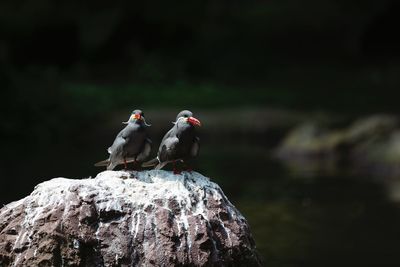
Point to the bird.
(131, 144)
(180, 143)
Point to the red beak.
(137, 116)
(194, 121)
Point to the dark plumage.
(180, 143)
(131, 143)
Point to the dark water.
(297, 218)
(303, 218)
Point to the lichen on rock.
(149, 218)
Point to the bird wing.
(150, 163)
(102, 163)
(167, 149)
(119, 141)
(169, 134)
(117, 146)
(160, 165)
(194, 151)
(145, 151)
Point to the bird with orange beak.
(180, 143)
(131, 144)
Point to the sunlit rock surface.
(150, 218)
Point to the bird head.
(137, 116)
(187, 117)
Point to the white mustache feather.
(144, 121)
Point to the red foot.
(126, 165)
(176, 171)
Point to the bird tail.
(102, 163)
(151, 163)
(111, 165)
(160, 165)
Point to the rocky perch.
(149, 218)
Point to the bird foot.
(125, 165)
(177, 171)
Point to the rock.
(379, 157)
(149, 218)
(370, 128)
(310, 139)
(367, 145)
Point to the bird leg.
(176, 171)
(126, 165)
(136, 166)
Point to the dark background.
(71, 72)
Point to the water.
(307, 219)
(297, 218)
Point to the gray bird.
(131, 143)
(180, 143)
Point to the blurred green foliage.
(328, 54)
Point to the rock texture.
(149, 218)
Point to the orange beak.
(194, 121)
(137, 116)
